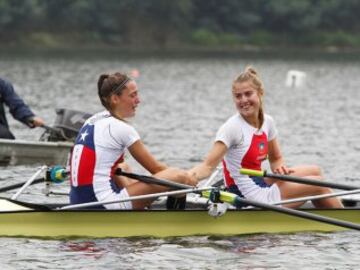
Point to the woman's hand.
(191, 179)
(283, 170)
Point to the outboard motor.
(66, 127)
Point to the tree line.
(141, 24)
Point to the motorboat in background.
(54, 145)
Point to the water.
(183, 102)
(299, 251)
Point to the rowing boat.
(18, 152)
(23, 219)
(19, 219)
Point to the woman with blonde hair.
(247, 139)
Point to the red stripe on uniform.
(86, 167)
(256, 153)
(229, 181)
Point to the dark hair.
(251, 75)
(109, 84)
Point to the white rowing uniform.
(99, 147)
(247, 148)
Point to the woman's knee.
(311, 171)
(293, 190)
(316, 171)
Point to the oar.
(28, 182)
(56, 175)
(238, 201)
(295, 179)
(152, 180)
(134, 198)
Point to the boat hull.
(161, 223)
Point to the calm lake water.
(183, 102)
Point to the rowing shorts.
(113, 196)
(264, 193)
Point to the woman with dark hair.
(248, 138)
(100, 147)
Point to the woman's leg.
(307, 170)
(290, 190)
(140, 188)
(300, 171)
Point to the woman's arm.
(145, 158)
(276, 160)
(215, 155)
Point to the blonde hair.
(251, 75)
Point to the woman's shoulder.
(231, 123)
(121, 124)
(269, 125)
(268, 117)
(104, 118)
(233, 119)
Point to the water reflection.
(84, 248)
(298, 251)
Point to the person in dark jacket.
(18, 109)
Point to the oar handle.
(252, 172)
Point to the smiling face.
(124, 104)
(247, 100)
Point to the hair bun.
(251, 70)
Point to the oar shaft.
(134, 198)
(312, 182)
(28, 182)
(300, 180)
(152, 180)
